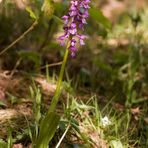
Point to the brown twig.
(20, 37)
(15, 67)
(51, 65)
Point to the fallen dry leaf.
(135, 110)
(119, 107)
(2, 93)
(47, 87)
(146, 120)
(17, 146)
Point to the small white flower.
(105, 121)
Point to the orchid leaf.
(47, 129)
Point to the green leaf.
(47, 129)
(3, 144)
(75, 125)
(31, 13)
(2, 104)
(116, 144)
(47, 8)
(97, 15)
(9, 140)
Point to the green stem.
(57, 91)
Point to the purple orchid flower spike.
(74, 21)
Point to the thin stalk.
(57, 91)
(60, 141)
